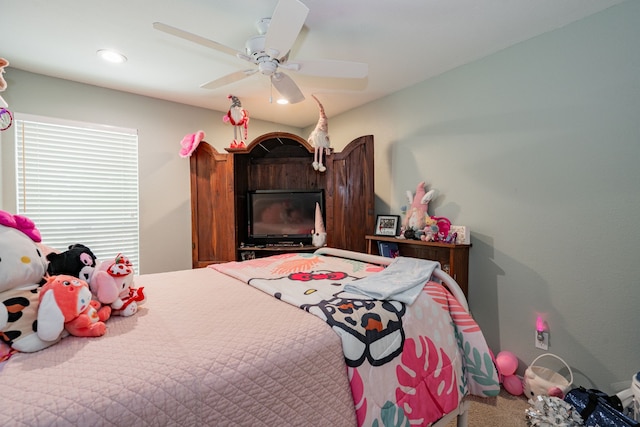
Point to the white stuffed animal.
(22, 269)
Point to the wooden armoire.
(279, 160)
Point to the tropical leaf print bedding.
(407, 364)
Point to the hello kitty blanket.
(407, 364)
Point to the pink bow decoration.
(21, 223)
(121, 267)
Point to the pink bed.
(205, 349)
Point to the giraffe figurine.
(319, 139)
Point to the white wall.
(165, 207)
(536, 149)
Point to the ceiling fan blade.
(287, 87)
(285, 25)
(194, 38)
(331, 68)
(228, 79)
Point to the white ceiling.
(403, 41)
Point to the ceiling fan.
(269, 52)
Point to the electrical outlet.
(543, 343)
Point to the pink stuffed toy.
(417, 220)
(436, 229)
(416, 215)
(66, 304)
(112, 283)
(190, 142)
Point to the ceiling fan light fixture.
(277, 35)
(111, 56)
(282, 101)
(267, 68)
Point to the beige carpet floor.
(503, 410)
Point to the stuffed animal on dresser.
(416, 214)
(112, 284)
(66, 305)
(22, 269)
(77, 261)
(417, 223)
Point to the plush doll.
(417, 223)
(436, 229)
(22, 268)
(237, 117)
(416, 214)
(112, 283)
(319, 139)
(66, 305)
(77, 261)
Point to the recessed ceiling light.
(282, 101)
(112, 56)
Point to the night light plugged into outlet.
(542, 335)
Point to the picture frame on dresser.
(387, 225)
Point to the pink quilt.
(406, 363)
(204, 350)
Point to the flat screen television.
(282, 217)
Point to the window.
(79, 183)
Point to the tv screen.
(283, 216)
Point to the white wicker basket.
(540, 380)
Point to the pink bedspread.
(407, 363)
(204, 350)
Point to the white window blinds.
(79, 183)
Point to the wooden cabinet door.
(350, 195)
(213, 214)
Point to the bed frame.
(439, 274)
